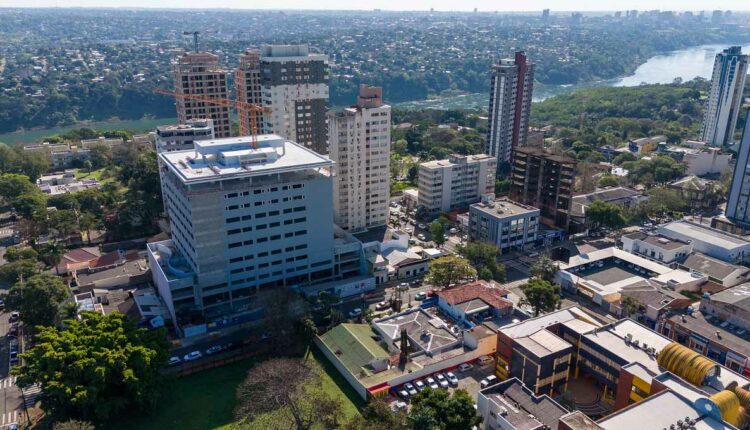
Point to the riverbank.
(33, 136)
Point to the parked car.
(14, 316)
(404, 286)
(355, 313)
(453, 231)
(451, 378)
(442, 380)
(533, 254)
(174, 360)
(420, 296)
(403, 394)
(214, 349)
(192, 356)
(465, 367)
(421, 226)
(421, 236)
(486, 382)
(485, 360)
(419, 384)
(415, 284)
(409, 387)
(431, 382)
(382, 305)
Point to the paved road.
(11, 400)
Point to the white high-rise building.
(510, 105)
(738, 202)
(725, 97)
(360, 144)
(292, 82)
(454, 183)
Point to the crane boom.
(249, 109)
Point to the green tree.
(28, 204)
(448, 270)
(73, 425)
(13, 185)
(502, 186)
(544, 268)
(662, 200)
(87, 222)
(117, 367)
(377, 415)
(609, 181)
(37, 299)
(541, 295)
(438, 232)
(629, 306)
(441, 410)
(605, 214)
(15, 253)
(20, 269)
(483, 256)
(52, 253)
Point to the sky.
(438, 5)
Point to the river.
(686, 64)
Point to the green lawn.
(205, 400)
(95, 174)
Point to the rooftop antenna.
(195, 38)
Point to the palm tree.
(52, 254)
(310, 330)
(87, 222)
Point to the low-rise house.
(724, 274)
(653, 301)
(475, 302)
(113, 270)
(713, 242)
(77, 259)
(656, 247)
(699, 194)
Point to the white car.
(192, 356)
(174, 360)
(453, 231)
(431, 382)
(382, 305)
(420, 236)
(422, 226)
(409, 388)
(486, 382)
(442, 380)
(419, 384)
(420, 296)
(465, 367)
(451, 378)
(355, 313)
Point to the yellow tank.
(729, 405)
(686, 363)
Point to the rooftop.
(525, 410)
(612, 338)
(657, 240)
(702, 233)
(718, 331)
(354, 345)
(713, 267)
(543, 343)
(533, 325)
(501, 208)
(235, 157)
(539, 152)
(580, 202)
(425, 332)
(454, 160)
(488, 292)
(738, 296)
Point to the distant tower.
(293, 83)
(738, 202)
(248, 83)
(725, 97)
(510, 103)
(545, 14)
(360, 144)
(198, 73)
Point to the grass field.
(32, 136)
(205, 400)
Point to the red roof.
(79, 255)
(106, 260)
(488, 291)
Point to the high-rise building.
(245, 219)
(182, 136)
(360, 144)
(725, 96)
(198, 73)
(455, 183)
(544, 181)
(292, 82)
(738, 202)
(510, 104)
(248, 84)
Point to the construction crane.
(195, 38)
(244, 110)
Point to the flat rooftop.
(612, 338)
(702, 233)
(733, 338)
(738, 296)
(609, 273)
(533, 325)
(235, 157)
(525, 410)
(543, 343)
(712, 267)
(501, 208)
(454, 160)
(658, 240)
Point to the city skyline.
(419, 5)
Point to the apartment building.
(198, 73)
(183, 136)
(510, 105)
(454, 183)
(247, 82)
(545, 181)
(245, 219)
(292, 82)
(725, 97)
(504, 223)
(360, 145)
(738, 202)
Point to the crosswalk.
(30, 394)
(10, 417)
(7, 382)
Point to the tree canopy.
(483, 257)
(37, 298)
(541, 295)
(605, 214)
(440, 410)
(96, 369)
(448, 270)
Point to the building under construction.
(199, 74)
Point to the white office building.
(716, 243)
(360, 145)
(245, 219)
(454, 183)
(504, 223)
(725, 97)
